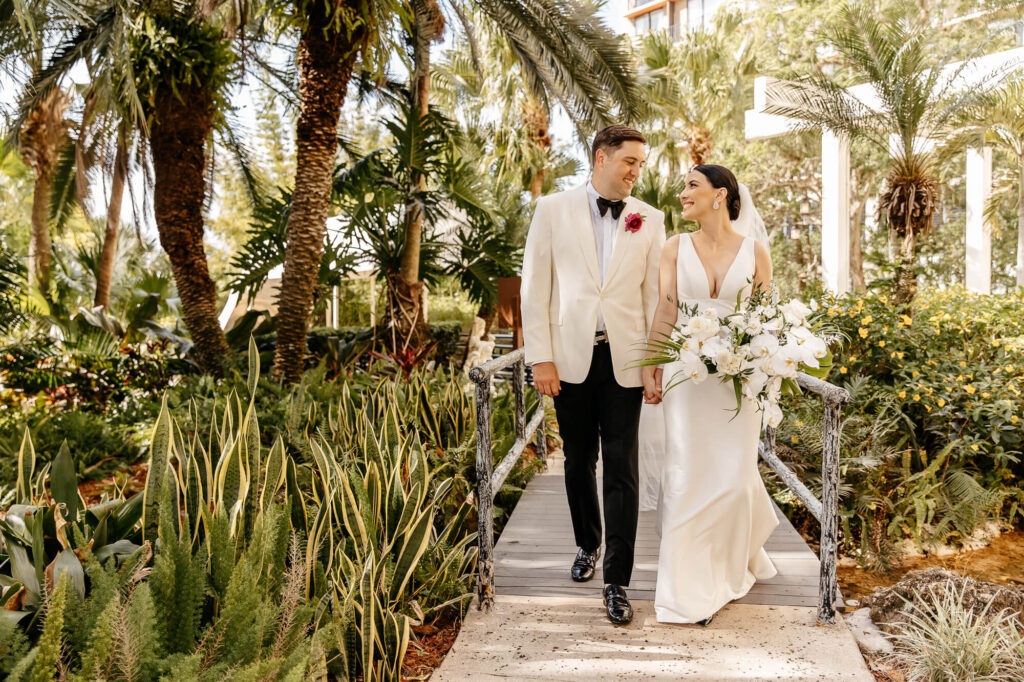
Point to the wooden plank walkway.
(536, 548)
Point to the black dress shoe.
(584, 564)
(706, 621)
(620, 611)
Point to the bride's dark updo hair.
(721, 177)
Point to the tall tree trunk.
(41, 136)
(405, 290)
(39, 247)
(326, 58)
(177, 138)
(856, 249)
(906, 280)
(1020, 221)
(698, 140)
(105, 269)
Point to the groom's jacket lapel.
(579, 214)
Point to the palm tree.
(916, 100)
(42, 135)
(166, 68)
(695, 86)
(565, 53)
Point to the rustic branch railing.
(826, 510)
(488, 482)
(490, 478)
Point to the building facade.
(676, 16)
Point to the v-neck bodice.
(693, 285)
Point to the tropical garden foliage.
(287, 498)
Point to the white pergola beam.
(979, 231)
(835, 212)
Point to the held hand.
(545, 378)
(652, 385)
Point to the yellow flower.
(942, 402)
(842, 370)
(975, 448)
(832, 312)
(914, 374)
(906, 320)
(1014, 419)
(917, 397)
(963, 364)
(984, 395)
(970, 389)
(794, 439)
(899, 354)
(867, 320)
(928, 407)
(881, 344)
(863, 333)
(902, 394)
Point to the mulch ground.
(428, 648)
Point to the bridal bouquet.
(759, 348)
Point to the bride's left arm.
(762, 267)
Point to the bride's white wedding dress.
(714, 512)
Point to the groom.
(590, 287)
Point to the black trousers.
(601, 408)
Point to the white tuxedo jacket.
(562, 291)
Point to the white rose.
(764, 345)
(754, 327)
(795, 311)
(709, 314)
(728, 362)
(701, 328)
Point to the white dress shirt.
(604, 237)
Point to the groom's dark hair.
(612, 137)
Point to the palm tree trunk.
(699, 142)
(906, 280)
(1020, 221)
(105, 269)
(326, 58)
(405, 305)
(39, 247)
(177, 138)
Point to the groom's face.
(617, 169)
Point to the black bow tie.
(616, 206)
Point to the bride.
(698, 457)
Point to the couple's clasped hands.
(652, 384)
(546, 381)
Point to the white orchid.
(764, 345)
(702, 328)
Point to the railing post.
(542, 436)
(519, 392)
(484, 495)
(828, 586)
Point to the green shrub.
(932, 441)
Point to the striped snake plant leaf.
(403, 516)
(367, 621)
(274, 475)
(64, 483)
(351, 516)
(253, 377)
(415, 541)
(160, 450)
(26, 468)
(394, 645)
(295, 499)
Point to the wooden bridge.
(530, 621)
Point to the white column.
(335, 305)
(835, 212)
(979, 232)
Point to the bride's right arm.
(667, 311)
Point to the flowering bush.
(932, 439)
(759, 348)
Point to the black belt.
(600, 337)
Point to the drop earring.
(715, 205)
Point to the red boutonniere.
(634, 221)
